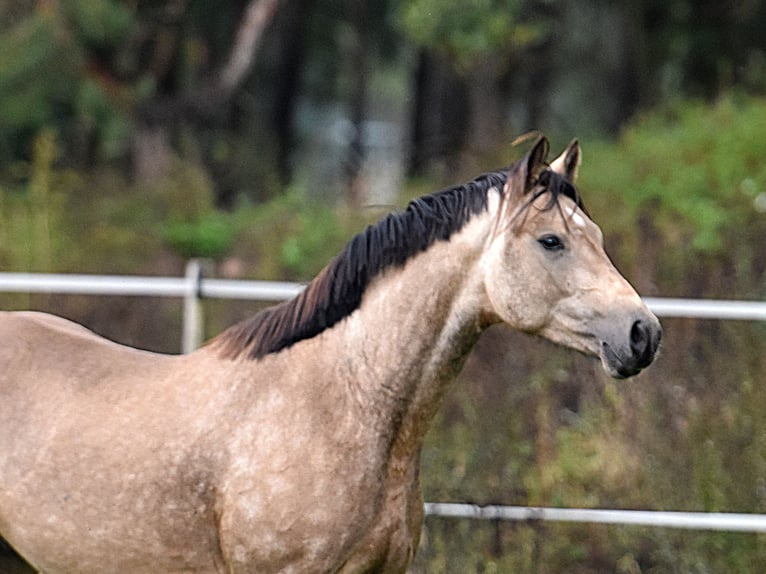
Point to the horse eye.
(551, 242)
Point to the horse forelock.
(548, 183)
(337, 290)
(557, 186)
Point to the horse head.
(546, 271)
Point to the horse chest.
(393, 537)
(337, 534)
(326, 509)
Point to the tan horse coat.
(238, 458)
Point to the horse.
(290, 442)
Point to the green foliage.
(698, 168)
(466, 31)
(32, 214)
(682, 184)
(100, 23)
(192, 226)
(294, 236)
(211, 236)
(100, 117)
(48, 78)
(38, 67)
(306, 245)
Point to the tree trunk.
(151, 153)
(438, 115)
(258, 15)
(486, 128)
(291, 53)
(360, 67)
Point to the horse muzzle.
(628, 350)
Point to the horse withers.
(291, 442)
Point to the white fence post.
(191, 337)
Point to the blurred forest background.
(262, 134)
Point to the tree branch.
(205, 100)
(258, 15)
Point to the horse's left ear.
(568, 163)
(535, 162)
(525, 173)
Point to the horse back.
(49, 365)
(31, 342)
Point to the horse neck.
(412, 333)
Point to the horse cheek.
(510, 297)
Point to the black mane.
(338, 289)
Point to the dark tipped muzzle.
(644, 341)
(645, 337)
(626, 351)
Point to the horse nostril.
(644, 341)
(639, 337)
(642, 345)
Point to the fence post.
(191, 337)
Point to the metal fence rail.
(722, 521)
(147, 286)
(193, 287)
(707, 308)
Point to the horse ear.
(524, 174)
(568, 163)
(535, 162)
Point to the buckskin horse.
(291, 441)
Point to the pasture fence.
(193, 287)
